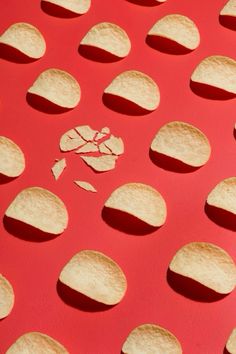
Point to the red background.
(33, 267)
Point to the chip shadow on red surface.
(14, 55)
(97, 54)
(5, 179)
(57, 11)
(169, 163)
(228, 22)
(43, 105)
(145, 2)
(226, 351)
(166, 45)
(221, 217)
(210, 92)
(123, 106)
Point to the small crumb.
(86, 186)
(58, 168)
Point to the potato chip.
(79, 7)
(86, 186)
(231, 342)
(217, 71)
(39, 208)
(58, 168)
(25, 38)
(207, 264)
(7, 297)
(95, 275)
(141, 201)
(36, 343)
(177, 28)
(136, 87)
(12, 160)
(115, 144)
(229, 9)
(86, 132)
(103, 149)
(109, 37)
(71, 140)
(105, 130)
(58, 87)
(149, 339)
(88, 147)
(183, 142)
(223, 196)
(100, 163)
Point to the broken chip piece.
(36, 343)
(184, 142)
(58, 168)
(25, 38)
(86, 132)
(223, 195)
(207, 264)
(137, 88)
(88, 147)
(150, 338)
(58, 87)
(115, 145)
(231, 342)
(39, 208)
(141, 201)
(100, 163)
(103, 149)
(79, 7)
(12, 160)
(7, 297)
(86, 186)
(229, 9)
(71, 140)
(96, 276)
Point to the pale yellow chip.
(12, 160)
(207, 264)
(86, 132)
(139, 200)
(223, 196)
(137, 88)
(183, 142)
(88, 147)
(58, 168)
(25, 38)
(109, 37)
(95, 275)
(177, 28)
(71, 140)
(36, 343)
(79, 7)
(105, 130)
(7, 297)
(217, 71)
(100, 163)
(151, 339)
(103, 149)
(115, 145)
(58, 87)
(231, 342)
(39, 208)
(229, 9)
(86, 186)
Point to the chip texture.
(95, 275)
(79, 7)
(12, 160)
(7, 297)
(231, 342)
(71, 140)
(39, 208)
(223, 196)
(207, 264)
(229, 9)
(101, 163)
(58, 168)
(115, 145)
(86, 186)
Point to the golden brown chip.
(150, 339)
(136, 87)
(95, 275)
(109, 37)
(141, 201)
(25, 38)
(231, 342)
(115, 144)
(12, 160)
(86, 186)
(79, 7)
(71, 140)
(88, 147)
(100, 163)
(36, 343)
(223, 196)
(58, 87)
(229, 9)
(39, 208)
(7, 297)
(86, 132)
(177, 28)
(217, 71)
(183, 142)
(58, 168)
(207, 264)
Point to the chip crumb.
(105, 130)
(115, 144)
(99, 136)
(100, 163)
(58, 168)
(86, 132)
(71, 140)
(88, 147)
(86, 186)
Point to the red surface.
(33, 267)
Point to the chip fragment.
(207, 264)
(223, 196)
(25, 38)
(58, 168)
(229, 9)
(86, 132)
(149, 339)
(12, 160)
(39, 208)
(86, 186)
(95, 275)
(231, 342)
(71, 140)
(217, 71)
(88, 147)
(79, 7)
(184, 142)
(7, 297)
(141, 201)
(58, 87)
(100, 163)
(36, 343)
(115, 145)
(136, 87)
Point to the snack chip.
(86, 186)
(223, 196)
(58, 168)
(207, 264)
(12, 160)
(229, 9)
(71, 140)
(103, 149)
(100, 163)
(86, 132)
(231, 342)
(79, 7)
(7, 297)
(88, 147)
(115, 145)
(96, 276)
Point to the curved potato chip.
(95, 275)
(217, 71)
(58, 87)
(36, 343)
(223, 196)
(141, 201)
(12, 160)
(177, 28)
(149, 339)
(183, 142)
(231, 342)
(207, 264)
(136, 87)
(109, 37)
(25, 38)
(229, 9)
(100, 163)
(39, 208)
(7, 297)
(79, 7)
